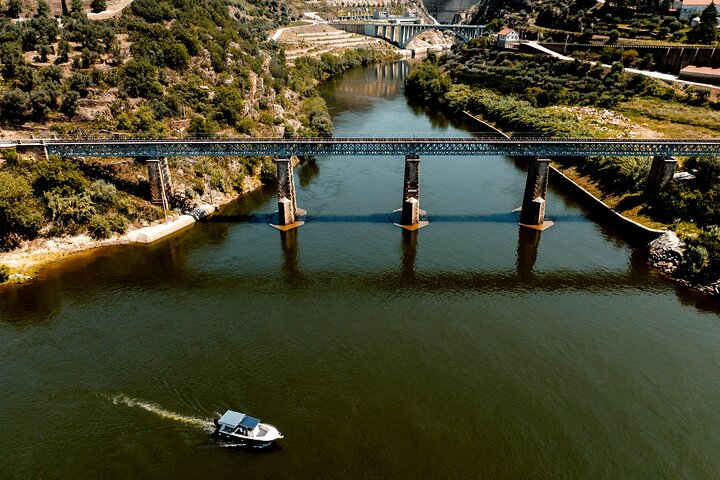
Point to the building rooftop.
(696, 3)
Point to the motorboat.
(236, 427)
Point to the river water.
(468, 349)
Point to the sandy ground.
(609, 121)
(31, 256)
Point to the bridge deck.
(475, 146)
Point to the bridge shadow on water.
(387, 217)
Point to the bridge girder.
(249, 147)
(403, 33)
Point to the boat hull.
(238, 439)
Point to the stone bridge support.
(160, 182)
(532, 213)
(661, 173)
(401, 34)
(410, 213)
(288, 212)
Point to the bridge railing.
(412, 138)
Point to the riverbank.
(663, 249)
(28, 260)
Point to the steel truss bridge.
(283, 147)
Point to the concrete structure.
(692, 8)
(508, 38)
(288, 214)
(700, 74)
(410, 213)
(447, 11)
(667, 58)
(159, 180)
(402, 34)
(156, 232)
(532, 213)
(661, 173)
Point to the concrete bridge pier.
(661, 173)
(410, 213)
(288, 215)
(159, 179)
(532, 212)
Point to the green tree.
(70, 103)
(200, 126)
(139, 79)
(4, 273)
(20, 214)
(43, 9)
(41, 103)
(98, 6)
(706, 32)
(63, 51)
(14, 8)
(14, 105)
(11, 59)
(77, 10)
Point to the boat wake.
(123, 399)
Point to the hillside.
(586, 20)
(157, 68)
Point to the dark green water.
(468, 350)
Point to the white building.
(692, 8)
(508, 38)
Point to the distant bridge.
(359, 146)
(402, 34)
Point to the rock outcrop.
(666, 252)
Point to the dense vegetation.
(57, 196)
(161, 67)
(518, 93)
(580, 20)
(182, 60)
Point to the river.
(468, 349)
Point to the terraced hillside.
(315, 40)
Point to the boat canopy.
(237, 419)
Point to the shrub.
(118, 223)
(14, 105)
(10, 155)
(20, 214)
(99, 227)
(98, 6)
(139, 79)
(268, 171)
(4, 273)
(103, 192)
(69, 208)
(58, 174)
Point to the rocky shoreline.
(666, 254)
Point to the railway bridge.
(155, 151)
